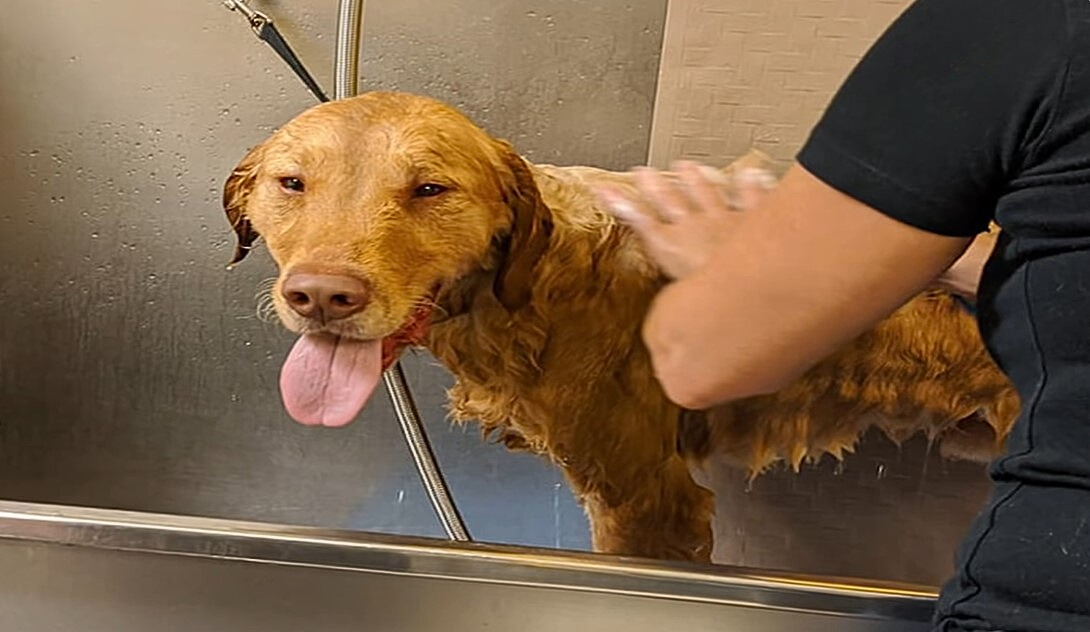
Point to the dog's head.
(368, 204)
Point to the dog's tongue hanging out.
(327, 380)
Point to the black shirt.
(964, 112)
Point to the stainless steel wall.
(133, 371)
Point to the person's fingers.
(706, 190)
(669, 203)
(655, 236)
(722, 182)
(750, 187)
(622, 207)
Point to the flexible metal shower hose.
(420, 448)
(349, 25)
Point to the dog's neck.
(457, 298)
(587, 253)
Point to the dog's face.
(369, 204)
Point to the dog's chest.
(489, 348)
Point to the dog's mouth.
(327, 378)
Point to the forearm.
(806, 272)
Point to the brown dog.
(395, 221)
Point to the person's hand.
(963, 276)
(681, 222)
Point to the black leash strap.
(267, 32)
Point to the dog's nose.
(325, 296)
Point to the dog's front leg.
(637, 491)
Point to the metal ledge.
(426, 558)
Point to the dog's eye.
(428, 190)
(293, 184)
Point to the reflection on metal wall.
(889, 512)
(133, 372)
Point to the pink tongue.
(326, 380)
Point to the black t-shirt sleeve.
(944, 110)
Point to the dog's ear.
(236, 191)
(531, 228)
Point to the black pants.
(1024, 566)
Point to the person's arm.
(905, 167)
(804, 273)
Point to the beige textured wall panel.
(737, 74)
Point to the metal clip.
(256, 18)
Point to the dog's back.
(924, 369)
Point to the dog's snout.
(325, 296)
